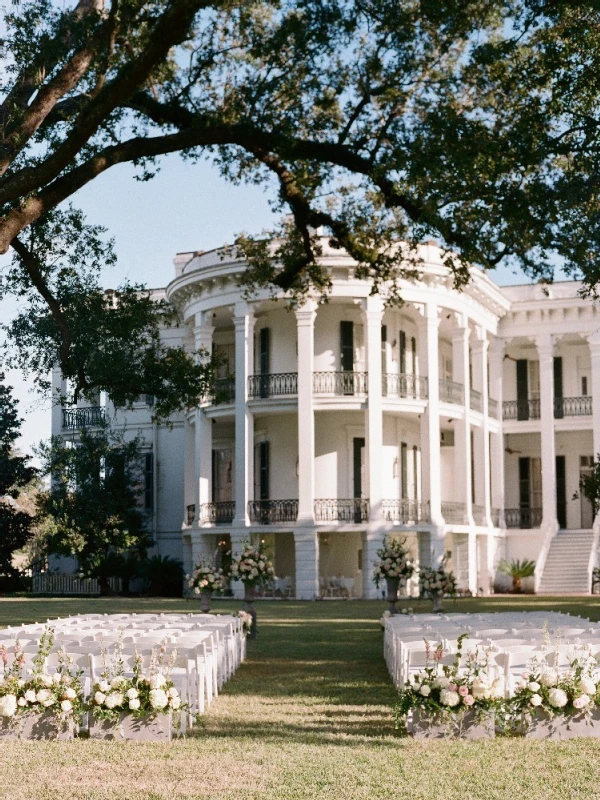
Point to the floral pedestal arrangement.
(437, 584)
(394, 566)
(539, 724)
(155, 728)
(43, 725)
(461, 725)
(254, 569)
(204, 581)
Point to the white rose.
(99, 698)
(21, 702)
(116, 682)
(535, 700)
(557, 698)
(441, 683)
(172, 692)
(448, 698)
(104, 686)
(43, 696)
(157, 681)
(549, 678)
(114, 699)
(30, 696)
(56, 678)
(175, 703)
(425, 690)
(8, 705)
(70, 694)
(587, 686)
(66, 705)
(158, 698)
(480, 690)
(132, 693)
(582, 701)
(134, 703)
(533, 686)
(20, 683)
(47, 680)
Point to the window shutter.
(558, 387)
(264, 360)
(522, 390)
(347, 345)
(263, 477)
(402, 340)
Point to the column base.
(306, 545)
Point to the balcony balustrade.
(219, 513)
(340, 383)
(342, 510)
(479, 515)
(451, 392)
(523, 517)
(572, 407)
(268, 512)
(476, 400)
(223, 391)
(406, 512)
(454, 512)
(274, 385)
(521, 409)
(77, 418)
(404, 385)
(492, 407)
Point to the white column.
(244, 422)
(305, 319)
(482, 435)
(374, 416)
(462, 428)
(306, 544)
(203, 336)
(372, 541)
(594, 342)
(496, 358)
(545, 348)
(238, 537)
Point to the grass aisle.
(308, 716)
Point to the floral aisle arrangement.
(445, 700)
(436, 584)
(40, 705)
(139, 706)
(394, 566)
(252, 566)
(205, 580)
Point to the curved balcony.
(77, 418)
(451, 392)
(223, 392)
(353, 509)
(221, 513)
(340, 383)
(523, 517)
(274, 385)
(268, 512)
(405, 512)
(404, 385)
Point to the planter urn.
(392, 586)
(205, 598)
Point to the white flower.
(132, 693)
(56, 678)
(549, 678)
(114, 699)
(448, 698)
(70, 694)
(582, 701)
(20, 683)
(8, 705)
(116, 682)
(157, 681)
(441, 683)
(66, 705)
(533, 686)
(172, 692)
(99, 698)
(134, 703)
(557, 698)
(21, 702)
(30, 696)
(175, 703)
(47, 680)
(425, 690)
(104, 686)
(587, 686)
(535, 700)
(158, 698)
(45, 697)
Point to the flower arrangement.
(206, 578)
(142, 695)
(59, 694)
(252, 566)
(246, 621)
(445, 692)
(394, 561)
(437, 582)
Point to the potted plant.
(43, 705)
(139, 707)
(437, 584)
(450, 700)
(394, 565)
(253, 568)
(517, 570)
(205, 580)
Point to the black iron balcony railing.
(342, 510)
(451, 392)
(454, 512)
(190, 514)
(476, 400)
(218, 513)
(406, 512)
(479, 515)
(340, 383)
(268, 512)
(492, 407)
(223, 391)
(523, 517)
(274, 385)
(76, 418)
(404, 385)
(572, 407)
(521, 409)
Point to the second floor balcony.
(531, 408)
(405, 511)
(335, 509)
(87, 417)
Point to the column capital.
(544, 343)
(594, 342)
(306, 313)
(497, 348)
(243, 314)
(461, 333)
(429, 315)
(374, 307)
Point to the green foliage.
(517, 569)
(92, 510)
(162, 575)
(589, 484)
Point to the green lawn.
(307, 716)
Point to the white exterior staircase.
(566, 570)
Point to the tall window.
(149, 481)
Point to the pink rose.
(452, 687)
(463, 691)
(468, 700)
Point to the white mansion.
(461, 420)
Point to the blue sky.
(185, 207)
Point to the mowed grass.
(307, 716)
